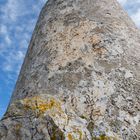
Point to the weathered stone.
(80, 78)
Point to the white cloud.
(3, 29)
(7, 67)
(12, 9)
(23, 44)
(13, 60)
(8, 40)
(5, 35)
(122, 2)
(19, 56)
(136, 17)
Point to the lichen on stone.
(40, 105)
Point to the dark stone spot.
(72, 66)
(87, 72)
(99, 73)
(93, 45)
(69, 64)
(108, 13)
(90, 127)
(90, 66)
(59, 2)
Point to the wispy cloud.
(17, 21)
(3, 29)
(14, 9)
(4, 34)
(13, 60)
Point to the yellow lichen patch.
(80, 134)
(76, 134)
(70, 137)
(104, 137)
(41, 105)
(17, 128)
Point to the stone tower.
(80, 79)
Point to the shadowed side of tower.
(80, 78)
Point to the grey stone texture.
(80, 79)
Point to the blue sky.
(17, 21)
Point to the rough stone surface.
(81, 76)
